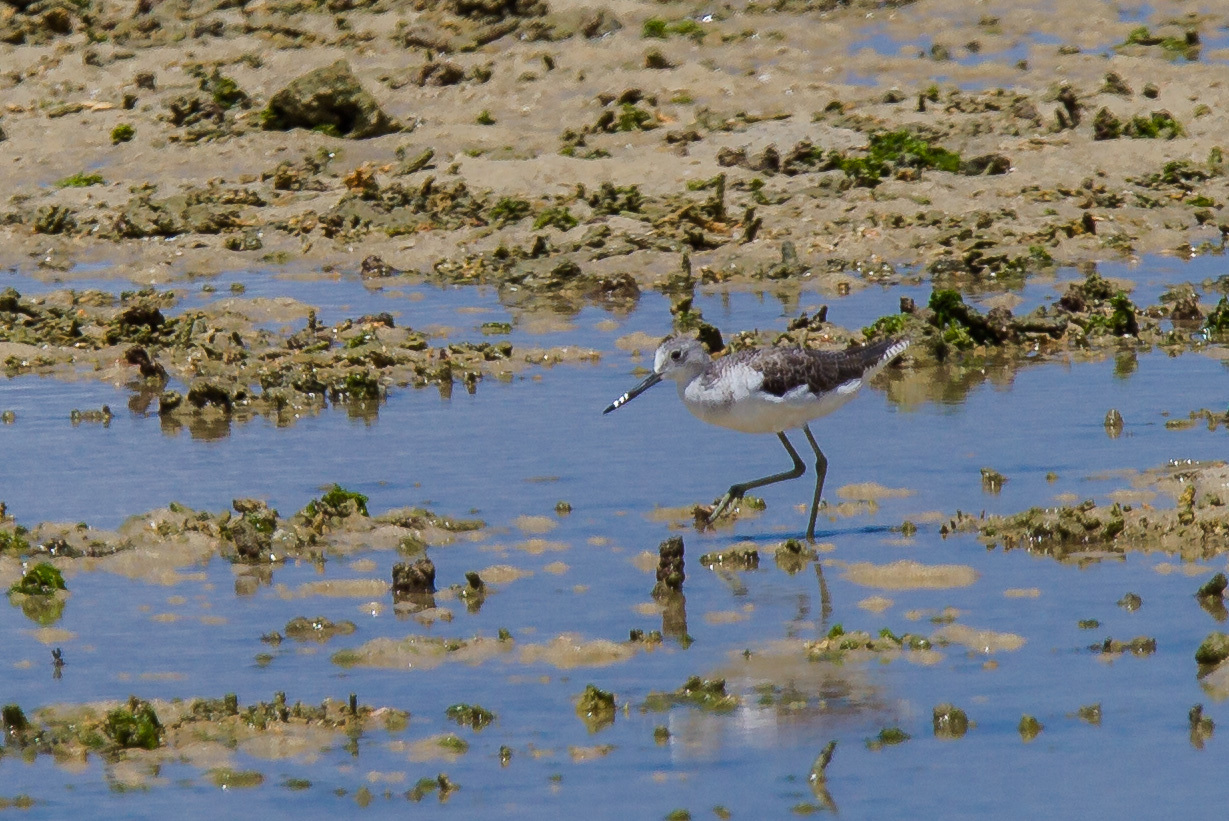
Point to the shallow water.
(515, 449)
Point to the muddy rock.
(1202, 727)
(1029, 727)
(1213, 588)
(949, 721)
(596, 708)
(412, 579)
(331, 99)
(670, 570)
(735, 558)
(318, 629)
(1139, 646)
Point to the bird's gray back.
(785, 369)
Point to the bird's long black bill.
(652, 380)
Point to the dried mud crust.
(533, 140)
(1195, 529)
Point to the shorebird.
(770, 390)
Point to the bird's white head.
(681, 359)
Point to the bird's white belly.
(745, 408)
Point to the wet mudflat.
(309, 503)
(1000, 635)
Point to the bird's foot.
(734, 494)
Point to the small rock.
(950, 721)
(670, 572)
(329, 98)
(1090, 714)
(418, 577)
(1213, 650)
(992, 481)
(1029, 727)
(1113, 423)
(1213, 587)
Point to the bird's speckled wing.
(785, 369)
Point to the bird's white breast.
(736, 401)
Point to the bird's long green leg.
(825, 599)
(821, 470)
(737, 491)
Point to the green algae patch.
(134, 726)
(893, 153)
(80, 180)
(13, 541)
(1186, 47)
(470, 715)
(41, 580)
(707, 694)
(596, 708)
(1092, 314)
(337, 502)
(452, 744)
(839, 643)
(441, 786)
(318, 629)
(228, 779)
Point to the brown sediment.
(908, 575)
(414, 653)
(535, 525)
(980, 641)
(873, 491)
(569, 651)
(536, 547)
(875, 604)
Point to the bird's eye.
(675, 355)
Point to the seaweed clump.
(707, 694)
